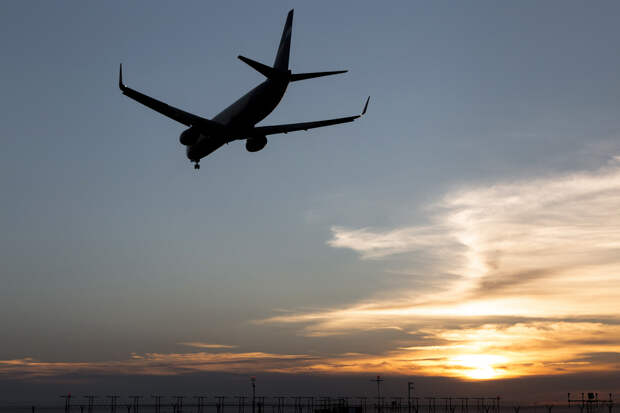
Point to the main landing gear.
(196, 165)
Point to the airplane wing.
(179, 115)
(291, 127)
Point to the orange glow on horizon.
(518, 279)
(487, 352)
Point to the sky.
(463, 233)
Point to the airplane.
(237, 122)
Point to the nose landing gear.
(196, 165)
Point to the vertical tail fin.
(281, 62)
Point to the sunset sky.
(464, 234)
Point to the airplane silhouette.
(237, 121)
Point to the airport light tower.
(410, 388)
(378, 380)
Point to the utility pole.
(592, 403)
(297, 403)
(157, 398)
(261, 404)
(464, 404)
(397, 404)
(200, 403)
(113, 398)
(363, 404)
(67, 402)
(220, 404)
(179, 403)
(136, 403)
(253, 381)
(280, 404)
(241, 404)
(311, 404)
(431, 404)
(91, 401)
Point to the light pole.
(378, 380)
(410, 388)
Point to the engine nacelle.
(256, 143)
(189, 137)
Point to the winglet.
(121, 86)
(365, 106)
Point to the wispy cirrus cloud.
(557, 237)
(372, 244)
(534, 269)
(543, 252)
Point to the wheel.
(196, 166)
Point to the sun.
(479, 366)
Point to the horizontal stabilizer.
(304, 76)
(263, 69)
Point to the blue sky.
(112, 244)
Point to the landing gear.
(196, 165)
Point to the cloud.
(199, 344)
(529, 276)
(541, 254)
(157, 364)
(551, 236)
(379, 244)
(487, 351)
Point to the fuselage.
(243, 114)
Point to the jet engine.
(256, 143)
(189, 137)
